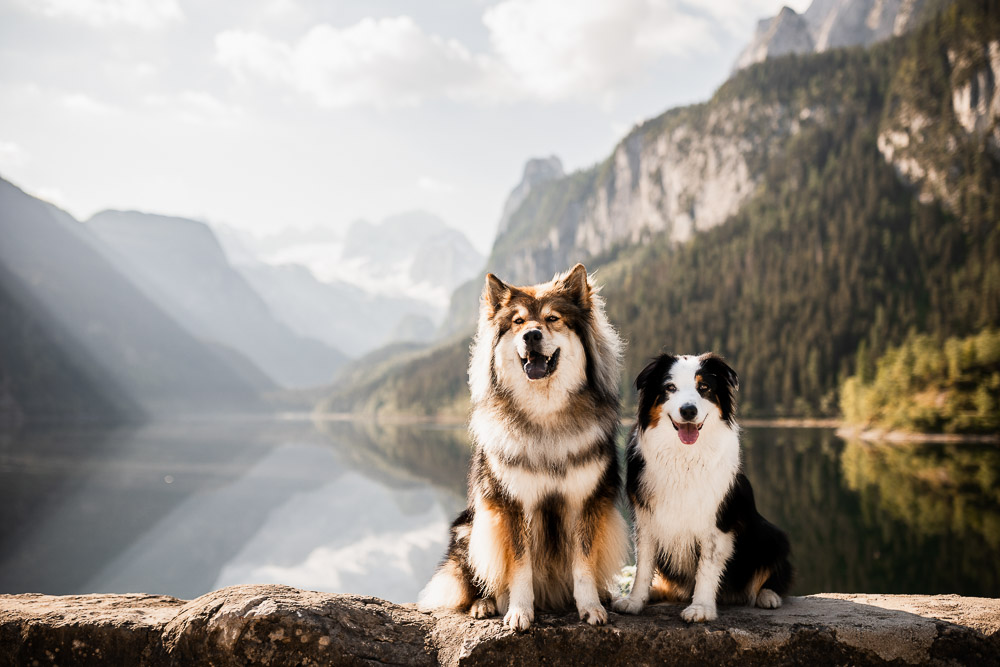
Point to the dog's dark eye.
(551, 318)
(702, 387)
(518, 320)
(671, 387)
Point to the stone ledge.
(278, 625)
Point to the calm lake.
(182, 509)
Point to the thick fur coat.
(542, 528)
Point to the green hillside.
(930, 385)
(833, 258)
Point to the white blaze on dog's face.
(537, 336)
(688, 393)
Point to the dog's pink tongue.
(536, 367)
(688, 433)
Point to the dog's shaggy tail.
(447, 589)
(451, 587)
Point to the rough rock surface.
(277, 625)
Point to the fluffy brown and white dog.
(541, 528)
(699, 536)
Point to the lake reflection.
(364, 508)
(183, 510)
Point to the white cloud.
(12, 156)
(434, 185)
(590, 47)
(195, 106)
(540, 50)
(147, 14)
(87, 104)
(384, 62)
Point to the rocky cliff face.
(277, 625)
(785, 33)
(830, 24)
(683, 172)
(926, 141)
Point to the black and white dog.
(698, 532)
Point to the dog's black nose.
(533, 336)
(689, 411)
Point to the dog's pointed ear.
(495, 294)
(577, 285)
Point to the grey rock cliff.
(785, 33)
(922, 148)
(685, 171)
(831, 24)
(277, 625)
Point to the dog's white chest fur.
(686, 486)
(543, 471)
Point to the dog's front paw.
(698, 613)
(594, 614)
(768, 599)
(627, 605)
(483, 608)
(519, 618)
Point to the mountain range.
(825, 204)
(131, 315)
(82, 341)
(831, 24)
(376, 284)
(809, 215)
(179, 264)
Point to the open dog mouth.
(538, 366)
(687, 431)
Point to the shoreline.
(905, 437)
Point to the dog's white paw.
(627, 605)
(698, 613)
(483, 608)
(594, 614)
(519, 618)
(768, 599)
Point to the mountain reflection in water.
(364, 508)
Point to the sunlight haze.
(272, 114)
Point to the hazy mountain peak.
(536, 171)
(180, 264)
(787, 32)
(829, 24)
(540, 169)
(168, 233)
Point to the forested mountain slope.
(856, 197)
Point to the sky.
(265, 115)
